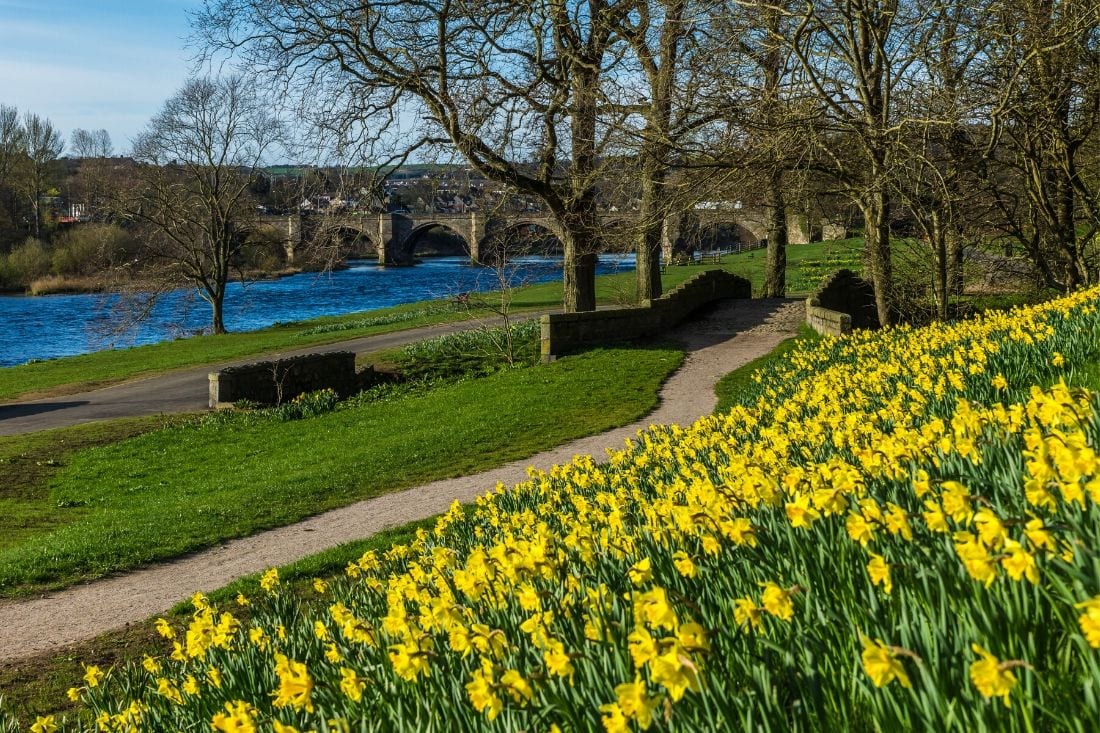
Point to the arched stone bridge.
(394, 235)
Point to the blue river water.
(47, 327)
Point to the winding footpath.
(729, 336)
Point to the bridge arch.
(343, 241)
(518, 238)
(725, 234)
(450, 241)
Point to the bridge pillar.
(383, 234)
(293, 236)
(393, 230)
(670, 232)
(478, 226)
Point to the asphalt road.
(185, 390)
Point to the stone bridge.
(394, 235)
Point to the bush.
(308, 404)
(471, 353)
(89, 248)
(29, 261)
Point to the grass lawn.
(806, 265)
(186, 487)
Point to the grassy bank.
(870, 545)
(190, 486)
(36, 686)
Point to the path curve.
(729, 336)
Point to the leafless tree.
(771, 124)
(855, 54)
(198, 157)
(42, 144)
(93, 148)
(514, 88)
(1045, 73)
(939, 156)
(660, 34)
(11, 140)
(11, 151)
(91, 143)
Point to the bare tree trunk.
(580, 217)
(648, 245)
(579, 271)
(876, 227)
(775, 267)
(941, 281)
(217, 307)
(955, 273)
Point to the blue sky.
(94, 63)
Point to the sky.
(94, 63)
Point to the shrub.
(28, 261)
(89, 248)
(308, 404)
(471, 353)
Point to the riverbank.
(806, 265)
(98, 284)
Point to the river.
(47, 327)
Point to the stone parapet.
(564, 333)
(846, 294)
(825, 321)
(269, 382)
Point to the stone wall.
(563, 333)
(297, 374)
(843, 302)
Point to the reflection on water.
(62, 325)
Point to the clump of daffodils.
(900, 529)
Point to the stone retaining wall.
(563, 333)
(843, 302)
(260, 381)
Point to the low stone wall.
(828, 322)
(563, 333)
(843, 302)
(260, 381)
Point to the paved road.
(185, 390)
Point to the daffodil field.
(901, 533)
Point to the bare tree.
(659, 34)
(11, 140)
(93, 148)
(11, 152)
(854, 55)
(514, 88)
(42, 145)
(772, 127)
(199, 155)
(939, 157)
(91, 143)
(1045, 71)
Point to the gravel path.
(727, 337)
